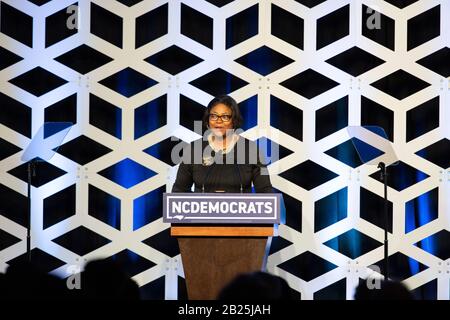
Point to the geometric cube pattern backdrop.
(133, 75)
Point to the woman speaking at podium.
(222, 161)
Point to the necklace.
(229, 143)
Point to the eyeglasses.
(215, 117)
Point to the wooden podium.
(220, 236)
(212, 256)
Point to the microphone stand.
(383, 177)
(31, 172)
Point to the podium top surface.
(221, 231)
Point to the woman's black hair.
(230, 103)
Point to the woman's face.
(220, 120)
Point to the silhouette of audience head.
(388, 290)
(25, 280)
(104, 279)
(256, 286)
(101, 279)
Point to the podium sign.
(222, 208)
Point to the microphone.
(206, 177)
(205, 163)
(240, 177)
